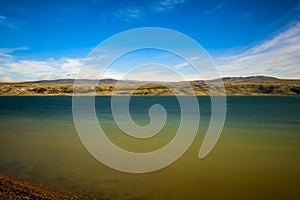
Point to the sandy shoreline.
(16, 189)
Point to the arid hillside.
(257, 85)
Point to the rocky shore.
(11, 189)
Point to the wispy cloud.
(278, 56)
(8, 22)
(218, 7)
(96, 1)
(129, 13)
(185, 64)
(7, 52)
(181, 65)
(134, 13)
(246, 15)
(166, 5)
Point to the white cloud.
(181, 65)
(44, 77)
(278, 56)
(218, 7)
(155, 72)
(8, 22)
(71, 64)
(166, 5)
(193, 58)
(6, 79)
(185, 64)
(128, 14)
(139, 12)
(33, 70)
(6, 52)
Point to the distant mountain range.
(113, 81)
(250, 79)
(71, 81)
(252, 85)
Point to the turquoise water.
(256, 157)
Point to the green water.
(256, 157)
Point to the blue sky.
(50, 39)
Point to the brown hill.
(254, 85)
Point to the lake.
(256, 157)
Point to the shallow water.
(256, 157)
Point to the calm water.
(256, 157)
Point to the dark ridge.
(250, 79)
(71, 81)
(113, 81)
(246, 79)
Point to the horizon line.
(129, 80)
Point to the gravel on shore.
(16, 189)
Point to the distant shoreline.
(234, 86)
